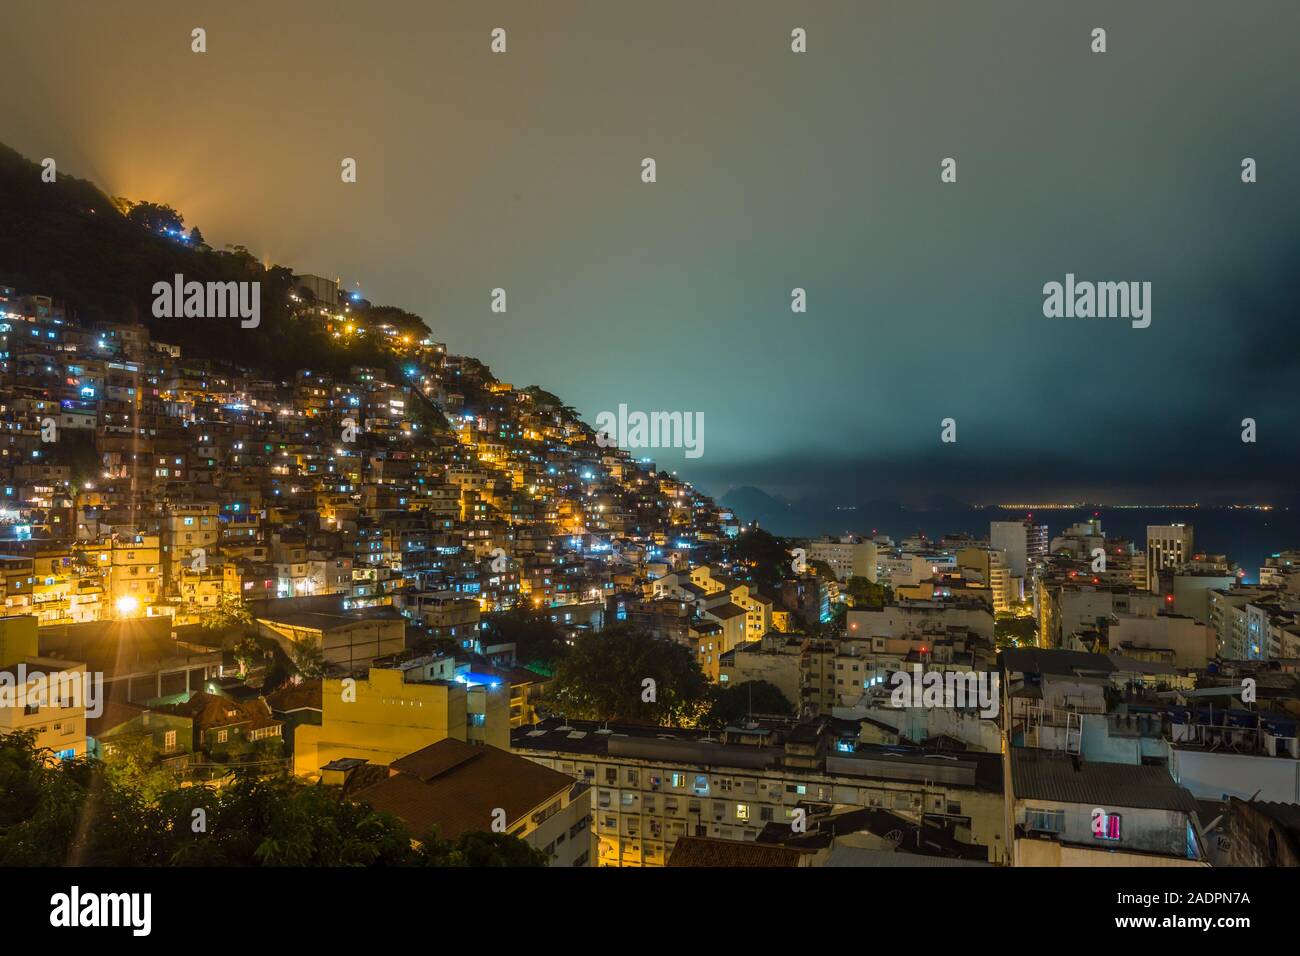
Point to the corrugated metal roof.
(1048, 660)
(1285, 814)
(1048, 775)
(861, 856)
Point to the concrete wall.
(1212, 775)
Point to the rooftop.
(456, 786)
(1062, 778)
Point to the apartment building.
(651, 786)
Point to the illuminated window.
(1105, 826)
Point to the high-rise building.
(1024, 542)
(1168, 546)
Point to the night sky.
(775, 170)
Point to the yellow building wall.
(17, 639)
(388, 719)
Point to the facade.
(650, 787)
(1168, 546)
(400, 708)
(1023, 542)
(848, 556)
(1069, 812)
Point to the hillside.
(68, 240)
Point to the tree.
(478, 848)
(134, 765)
(308, 660)
(730, 705)
(863, 592)
(399, 318)
(247, 654)
(56, 813)
(766, 556)
(156, 217)
(822, 570)
(1010, 630)
(539, 645)
(229, 612)
(604, 678)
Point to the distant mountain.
(757, 505)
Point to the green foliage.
(478, 848)
(822, 570)
(601, 679)
(1012, 631)
(231, 611)
(308, 660)
(730, 705)
(400, 318)
(54, 813)
(155, 217)
(766, 556)
(864, 593)
(248, 653)
(57, 812)
(134, 765)
(539, 645)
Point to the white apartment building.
(652, 785)
(847, 556)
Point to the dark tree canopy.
(731, 705)
(603, 678)
(765, 556)
(55, 813)
(539, 645)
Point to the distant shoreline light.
(1080, 506)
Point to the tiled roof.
(306, 695)
(210, 710)
(456, 786)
